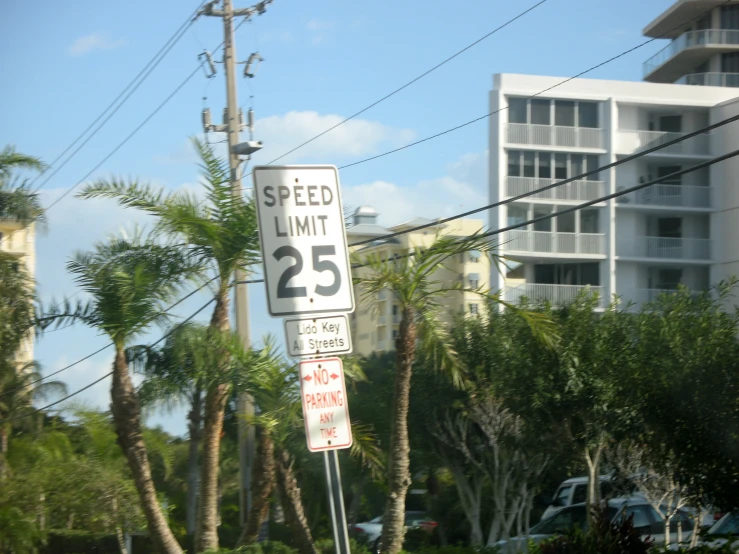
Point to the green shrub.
(266, 547)
(326, 546)
(64, 541)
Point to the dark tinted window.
(540, 114)
(514, 163)
(728, 525)
(581, 491)
(563, 521)
(587, 114)
(517, 110)
(564, 113)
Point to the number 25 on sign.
(303, 238)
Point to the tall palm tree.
(129, 282)
(179, 372)
(420, 293)
(222, 234)
(17, 201)
(19, 388)
(274, 383)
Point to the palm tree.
(129, 281)
(180, 372)
(17, 201)
(420, 293)
(274, 383)
(19, 388)
(222, 234)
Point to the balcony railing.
(382, 320)
(710, 79)
(554, 135)
(663, 247)
(576, 190)
(381, 344)
(650, 295)
(678, 196)
(691, 39)
(633, 140)
(554, 243)
(397, 318)
(556, 295)
(382, 295)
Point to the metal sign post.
(307, 273)
(336, 501)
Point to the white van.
(575, 491)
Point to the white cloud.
(282, 133)
(94, 41)
(357, 137)
(462, 189)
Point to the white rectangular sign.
(325, 408)
(303, 238)
(318, 336)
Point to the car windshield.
(563, 494)
(378, 519)
(413, 519)
(728, 525)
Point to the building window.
(474, 309)
(587, 115)
(567, 113)
(730, 62)
(589, 221)
(539, 164)
(564, 113)
(730, 17)
(545, 224)
(474, 280)
(540, 112)
(566, 223)
(514, 163)
(517, 108)
(474, 256)
(395, 334)
(517, 214)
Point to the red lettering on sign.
(327, 417)
(329, 433)
(321, 376)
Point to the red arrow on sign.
(334, 376)
(307, 377)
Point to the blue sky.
(63, 64)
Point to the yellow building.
(19, 241)
(375, 326)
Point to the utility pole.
(232, 126)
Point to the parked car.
(574, 491)
(719, 534)
(371, 531)
(647, 522)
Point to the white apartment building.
(19, 241)
(704, 44)
(683, 231)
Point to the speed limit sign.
(303, 238)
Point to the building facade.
(375, 321)
(704, 44)
(19, 241)
(677, 232)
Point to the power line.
(409, 83)
(623, 192)
(201, 287)
(529, 97)
(75, 393)
(629, 190)
(132, 86)
(580, 177)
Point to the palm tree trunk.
(127, 420)
(193, 463)
(206, 537)
(398, 468)
(264, 479)
(292, 503)
(4, 433)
